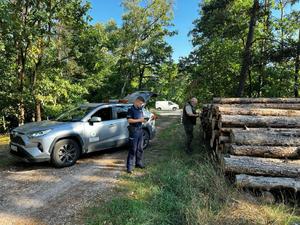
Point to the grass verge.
(182, 189)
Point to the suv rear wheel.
(146, 138)
(65, 153)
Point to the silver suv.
(87, 128)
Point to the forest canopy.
(52, 57)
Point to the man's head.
(139, 102)
(194, 101)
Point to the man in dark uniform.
(189, 118)
(135, 119)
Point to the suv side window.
(104, 113)
(120, 112)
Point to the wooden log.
(228, 130)
(254, 100)
(213, 124)
(265, 151)
(255, 111)
(212, 139)
(291, 106)
(267, 183)
(262, 166)
(268, 138)
(221, 148)
(258, 121)
(224, 139)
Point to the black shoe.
(129, 171)
(140, 166)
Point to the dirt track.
(41, 194)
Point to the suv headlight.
(39, 133)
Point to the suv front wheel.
(65, 153)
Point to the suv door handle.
(111, 125)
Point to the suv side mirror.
(95, 119)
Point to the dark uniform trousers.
(135, 154)
(188, 122)
(189, 128)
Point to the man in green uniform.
(189, 118)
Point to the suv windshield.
(75, 115)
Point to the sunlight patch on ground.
(28, 203)
(28, 177)
(12, 219)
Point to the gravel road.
(40, 194)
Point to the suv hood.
(145, 94)
(37, 126)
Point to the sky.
(185, 12)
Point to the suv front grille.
(17, 140)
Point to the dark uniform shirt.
(135, 113)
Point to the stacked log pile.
(257, 140)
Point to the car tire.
(158, 108)
(146, 138)
(174, 109)
(65, 153)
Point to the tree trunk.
(269, 138)
(267, 183)
(255, 111)
(264, 46)
(124, 86)
(265, 151)
(293, 106)
(141, 76)
(262, 166)
(4, 123)
(297, 66)
(247, 51)
(38, 114)
(37, 102)
(258, 121)
(250, 84)
(255, 100)
(21, 77)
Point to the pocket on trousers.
(131, 131)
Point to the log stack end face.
(262, 137)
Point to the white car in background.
(166, 105)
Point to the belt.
(134, 128)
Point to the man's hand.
(142, 120)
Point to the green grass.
(180, 189)
(5, 158)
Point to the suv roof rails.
(117, 101)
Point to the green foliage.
(219, 37)
(51, 58)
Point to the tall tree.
(143, 31)
(31, 29)
(246, 60)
